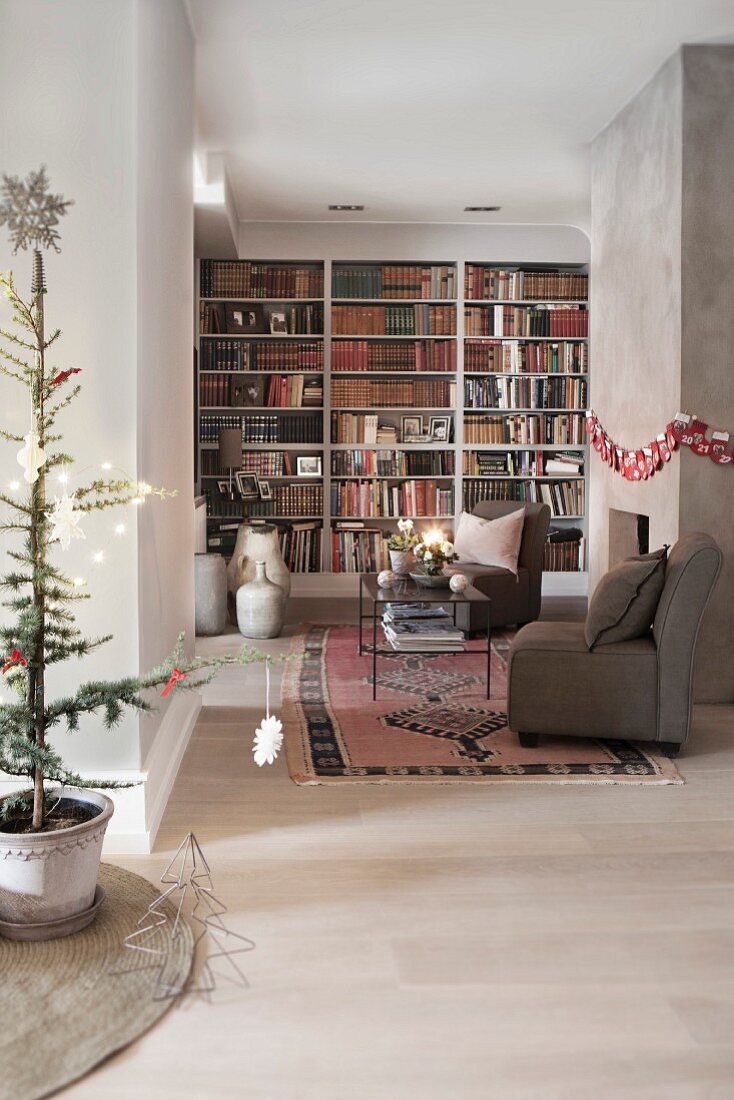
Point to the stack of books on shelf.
(362, 393)
(565, 498)
(236, 355)
(358, 549)
(244, 279)
(524, 428)
(510, 357)
(380, 498)
(300, 545)
(525, 393)
(416, 320)
(392, 463)
(423, 355)
(524, 321)
(565, 550)
(417, 627)
(512, 284)
(394, 281)
(523, 463)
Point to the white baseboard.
(139, 809)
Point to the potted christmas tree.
(51, 834)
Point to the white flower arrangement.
(434, 551)
(406, 539)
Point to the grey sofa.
(638, 690)
(515, 599)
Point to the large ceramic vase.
(210, 586)
(257, 543)
(260, 606)
(402, 561)
(48, 881)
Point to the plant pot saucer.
(53, 929)
(440, 581)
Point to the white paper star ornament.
(65, 520)
(31, 457)
(268, 740)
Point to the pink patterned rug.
(432, 723)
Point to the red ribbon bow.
(15, 658)
(64, 374)
(176, 675)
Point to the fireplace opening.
(629, 534)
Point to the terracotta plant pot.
(402, 561)
(49, 877)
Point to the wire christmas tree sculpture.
(191, 890)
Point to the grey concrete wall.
(707, 347)
(636, 302)
(662, 317)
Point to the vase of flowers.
(433, 552)
(401, 546)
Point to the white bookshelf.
(315, 583)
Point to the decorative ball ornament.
(386, 579)
(458, 582)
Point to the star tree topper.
(30, 212)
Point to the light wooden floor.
(451, 943)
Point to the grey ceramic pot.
(210, 585)
(260, 606)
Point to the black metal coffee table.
(408, 591)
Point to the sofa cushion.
(494, 542)
(625, 600)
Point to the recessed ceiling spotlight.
(344, 206)
(481, 209)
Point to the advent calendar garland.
(644, 462)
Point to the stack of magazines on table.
(415, 627)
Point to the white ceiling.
(418, 108)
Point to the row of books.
(523, 463)
(421, 627)
(350, 427)
(263, 463)
(286, 391)
(392, 463)
(359, 549)
(300, 545)
(394, 281)
(423, 355)
(564, 551)
(376, 320)
(380, 498)
(263, 429)
(244, 279)
(524, 428)
(239, 355)
(513, 284)
(545, 320)
(365, 393)
(525, 393)
(298, 499)
(248, 319)
(565, 498)
(509, 357)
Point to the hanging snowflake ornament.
(30, 212)
(31, 457)
(268, 740)
(65, 521)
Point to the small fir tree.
(38, 595)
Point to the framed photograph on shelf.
(310, 466)
(242, 320)
(411, 429)
(278, 322)
(223, 487)
(266, 493)
(248, 392)
(247, 485)
(440, 429)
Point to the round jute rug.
(63, 1012)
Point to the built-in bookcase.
(398, 397)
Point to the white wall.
(102, 92)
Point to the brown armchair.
(515, 599)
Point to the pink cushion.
(490, 541)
